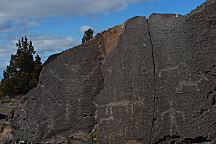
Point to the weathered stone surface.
(61, 105)
(110, 38)
(144, 82)
(184, 52)
(124, 106)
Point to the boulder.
(145, 81)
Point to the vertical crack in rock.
(101, 49)
(154, 73)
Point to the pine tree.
(88, 35)
(23, 71)
(36, 72)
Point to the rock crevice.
(155, 88)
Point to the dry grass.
(5, 133)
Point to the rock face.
(124, 106)
(148, 81)
(62, 104)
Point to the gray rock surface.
(125, 105)
(184, 51)
(61, 105)
(155, 84)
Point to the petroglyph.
(129, 105)
(106, 119)
(67, 110)
(166, 70)
(181, 65)
(172, 112)
(190, 83)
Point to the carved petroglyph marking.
(109, 111)
(129, 106)
(51, 123)
(144, 45)
(181, 65)
(124, 103)
(106, 119)
(167, 70)
(190, 83)
(67, 109)
(172, 112)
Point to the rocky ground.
(7, 108)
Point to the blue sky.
(56, 25)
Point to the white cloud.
(15, 24)
(11, 10)
(23, 8)
(5, 25)
(28, 23)
(43, 45)
(52, 44)
(85, 28)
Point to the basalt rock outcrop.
(147, 81)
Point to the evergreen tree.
(23, 72)
(88, 35)
(36, 72)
